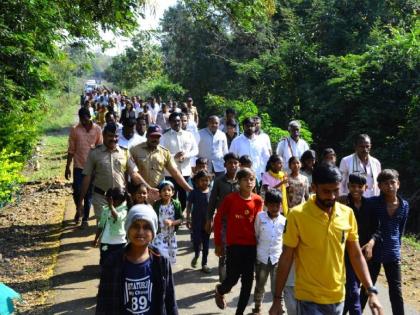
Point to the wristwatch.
(372, 289)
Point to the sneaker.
(194, 262)
(84, 225)
(205, 269)
(256, 311)
(219, 298)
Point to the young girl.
(136, 279)
(308, 159)
(138, 194)
(197, 204)
(110, 232)
(169, 213)
(298, 190)
(275, 178)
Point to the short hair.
(294, 123)
(361, 137)
(201, 174)
(230, 111)
(357, 178)
(231, 123)
(387, 174)
(326, 174)
(132, 188)
(245, 159)
(201, 160)
(230, 156)
(116, 193)
(293, 159)
(212, 117)
(244, 173)
(256, 118)
(273, 196)
(328, 151)
(84, 112)
(110, 128)
(141, 117)
(174, 115)
(109, 114)
(131, 122)
(308, 154)
(247, 121)
(183, 114)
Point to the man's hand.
(219, 251)
(367, 250)
(208, 227)
(153, 194)
(374, 305)
(276, 308)
(180, 156)
(67, 173)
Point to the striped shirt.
(82, 141)
(391, 229)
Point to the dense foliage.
(31, 34)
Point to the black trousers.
(393, 277)
(180, 193)
(240, 262)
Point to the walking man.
(83, 137)
(316, 236)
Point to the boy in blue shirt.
(391, 212)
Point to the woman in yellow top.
(275, 178)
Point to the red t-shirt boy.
(239, 209)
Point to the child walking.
(392, 212)
(239, 210)
(275, 178)
(169, 213)
(110, 232)
(298, 190)
(366, 228)
(223, 186)
(269, 228)
(197, 204)
(136, 279)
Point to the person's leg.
(249, 255)
(393, 277)
(206, 244)
(261, 276)
(289, 300)
(87, 202)
(233, 269)
(182, 194)
(222, 268)
(273, 276)
(77, 187)
(374, 268)
(307, 308)
(352, 300)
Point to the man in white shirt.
(154, 109)
(213, 146)
(181, 144)
(250, 144)
(361, 162)
(261, 134)
(128, 137)
(292, 145)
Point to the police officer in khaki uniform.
(107, 164)
(152, 159)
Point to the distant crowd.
(321, 232)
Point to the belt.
(99, 191)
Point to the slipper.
(219, 298)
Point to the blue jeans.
(352, 302)
(311, 308)
(77, 187)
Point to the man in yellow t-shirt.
(317, 233)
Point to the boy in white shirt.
(269, 226)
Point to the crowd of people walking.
(319, 231)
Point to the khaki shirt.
(151, 164)
(107, 167)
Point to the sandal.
(219, 298)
